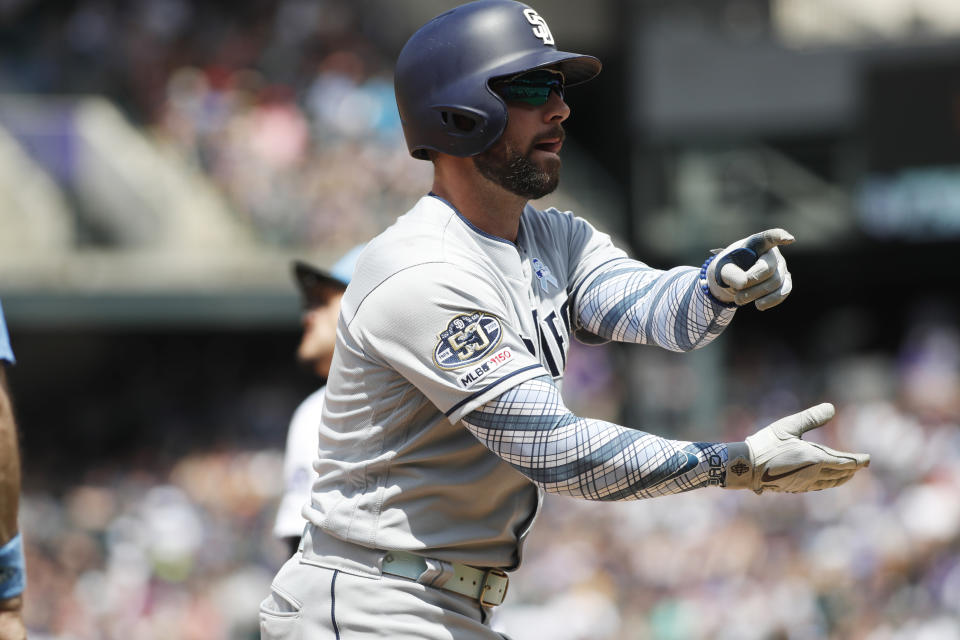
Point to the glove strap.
(739, 472)
(705, 285)
(744, 257)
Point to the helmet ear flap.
(460, 122)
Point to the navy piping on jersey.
(470, 224)
(490, 386)
(369, 293)
(333, 605)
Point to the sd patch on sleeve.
(468, 339)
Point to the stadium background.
(162, 161)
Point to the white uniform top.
(298, 473)
(438, 319)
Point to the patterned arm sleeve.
(529, 427)
(631, 302)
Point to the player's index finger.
(763, 268)
(762, 242)
(829, 472)
(862, 459)
(846, 460)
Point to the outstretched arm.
(684, 308)
(632, 302)
(529, 427)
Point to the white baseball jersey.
(439, 318)
(442, 322)
(298, 473)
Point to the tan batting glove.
(776, 459)
(751, 270)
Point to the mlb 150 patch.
(479, 371)
(468, 339)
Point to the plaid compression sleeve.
(631, 302)
(529, 427)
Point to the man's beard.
(516, 172)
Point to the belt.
(486, 586)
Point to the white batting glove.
(776, 459)
(752, 270)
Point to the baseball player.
(321, 292)
(443, 422)
(13, 575)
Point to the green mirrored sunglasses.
(533, 87)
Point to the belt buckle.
(484, 587)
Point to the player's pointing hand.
(775, 458)
(752, 270)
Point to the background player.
(443, 422)
(320, 293)
(12, 570)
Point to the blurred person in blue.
(321, 292)
(13, 577)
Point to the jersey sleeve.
(530, 428)
(589, 252)
(448, 332)
(613, 297)
(6, 351)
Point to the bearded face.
(531, 174)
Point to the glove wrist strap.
(705, 285)
(739, 472)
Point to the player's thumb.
(762, 242)
(799, 423)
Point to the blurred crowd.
(287, 107)
(325, 167)
(187, 552)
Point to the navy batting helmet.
(443, 73)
